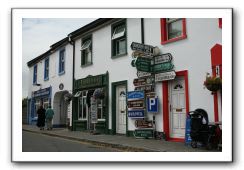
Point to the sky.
(39, 33)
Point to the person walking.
(41, 117)
(49, 117)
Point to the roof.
(72, 35)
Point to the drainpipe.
(73, 77)
(142, 30)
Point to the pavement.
(121, 142)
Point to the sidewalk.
(117, 141)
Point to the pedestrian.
(49, 117)
(41, 117)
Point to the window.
(46, 69)
(220, 22)
(86, 52)
(45, 103)
(172, 29)
(61, 61)
(82, 107)
(35, 74)
(119, 46)
(100, 114)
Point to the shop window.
(37, 105)
(82, 107)
(46, 69)
(172, 29)
(119, 41)
(45, 103)
(35, 74)
(100, 114)
(86, 52)
(220, 22)
(61, 61)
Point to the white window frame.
(81, 98)
(118, 34)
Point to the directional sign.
(143, 81)
(162, 67)
(147, 89)
(148, 49)
(135, 104)
(136, 113)
(163, 58)
(132, 95)
(143, 74)
(143, 64)
(165, 76)
(152, 105)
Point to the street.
(33, 142)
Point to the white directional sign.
(143, 74)
(165, 76)
(163, 58)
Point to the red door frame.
(165, 103)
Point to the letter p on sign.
(152, 102)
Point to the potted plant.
(213, 83)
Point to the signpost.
(143, 81)
(152, 105)
(148, 49)
(165, 76)
(143, 123)
(139, 104)
(141, 74)
(163, 58)
(132, 95)
(136, 113)
(143, 64)
(162, 67)
(147, 88)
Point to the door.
(121, 109)
(177, 107)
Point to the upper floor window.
(35, 74)
(46, 69)
(61, 61)
(172, 29)
(86, 51)
(119, 41)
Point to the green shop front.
(90, 104)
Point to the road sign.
(135, 104)
(143, 81)
(148, 49)
(165, 76)
(143, 64)
(163, 58)
(136, 113)
(147, 89)
(162, 67)
(141, 74)
(143, 123)
(152, 105)
(132, 95)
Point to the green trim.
(114, 85)
(114, 56)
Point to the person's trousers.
(49, 123)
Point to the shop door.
(177, 107)
(121, 109)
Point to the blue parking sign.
(152, 105)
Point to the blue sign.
(42, 92)
(136, 113)
(188, 131)
(135, 95)
(152, 105)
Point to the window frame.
(46, 69)
(83, 41)
(61, 70)
(81, 97)
(35, 74)
(114, 26)
(164, 31)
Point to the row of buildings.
(99, 58)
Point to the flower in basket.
(99, 93)
(213, 83)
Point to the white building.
(103, 60)
(50, 79)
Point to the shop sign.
(143, 64)
(162, 67)
(93, 110)
(143, 81)
(88, 82)
(143, 133)
(131, 95)
(41, 92)
(152, 105)
(136, 113)
(163, 58)
(135, 104)
(143, 123)
(147, 89)
(148, 49)
(141, 74)
(165, 76)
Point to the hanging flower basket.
(213, 83)
(99, 94)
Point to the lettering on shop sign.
(143, 133)
(135, 104)
(148, 49)
(41, 92)
(163, 58)
(88, 82)
(165, 76)
(136, 113)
